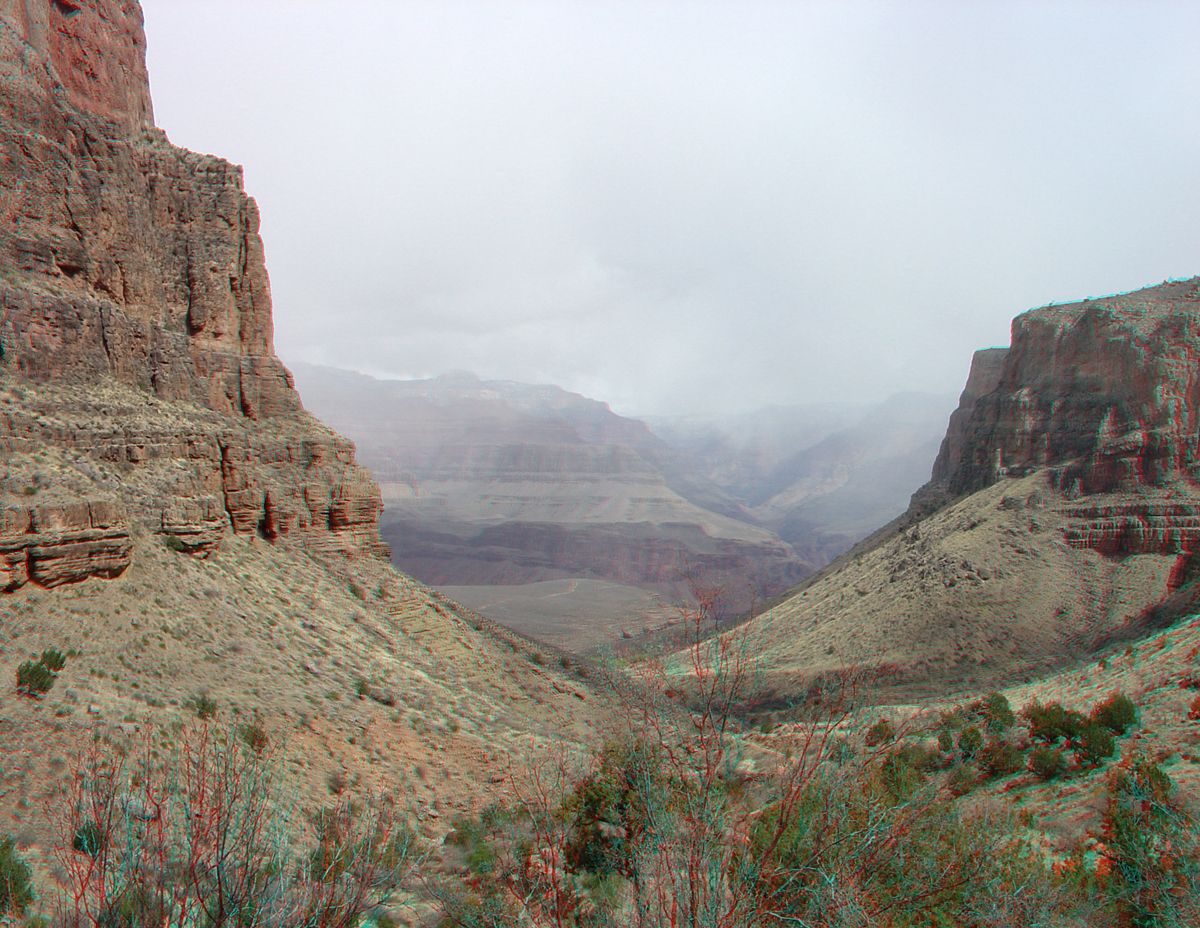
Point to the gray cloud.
(691, 206)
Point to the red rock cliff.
(1106, 394)
(127, 261)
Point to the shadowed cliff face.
(135, 316)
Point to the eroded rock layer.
(135, 318)
(1063, 513)
(1105, 394)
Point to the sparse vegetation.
(880, 733)
(16, 879)
(1117, 713)
(203, 705)
(1051, 722)
(1047, 762)
(34, 678)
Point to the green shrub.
(362, 687)
(54, 659)
(997, 713)
(16, 879)
(1046, 762)
(34, 678)
(90, 839)
(203, 705)
(969, 742)
(611, 805)
(962, 779)
(1117, 713)
(1000, 758)
(254, 737)
(880, 733)
(1155, 874)
(946, 740)
(1050, 722)
(1095, 745)
(903, 772)
(175, 543)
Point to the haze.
(690, 207)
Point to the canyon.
(171, 517)
(501, 483)
(1061, 515)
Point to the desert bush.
(16, 879)
(881, 732)
(1051, 722)
(962, 779)
(1000, 758)
(203, 705)
(175, 543)
(1153, 869)
(1117, 713)
(89, 839)
(54, 659)
(34, 678)
(1095, 745)
(997, 713)
(945, 740)
(1046, 762)
(207, 837)
(607, 810)
(254, 736)
(969, 742)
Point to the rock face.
(135, 314)
(1063, 513)
(1106, 394)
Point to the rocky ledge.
(135, 325)
(1105, 395)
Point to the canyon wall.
(135, 320)
(1063, 514)
(1105, 393)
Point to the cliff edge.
(1063, 513)
(135, 326)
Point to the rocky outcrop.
(1107, 390)
(1106, 395)
(1063, 513)
(60, 543)
(135, 308)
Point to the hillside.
(172, 518)
(1061, 515)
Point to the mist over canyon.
(504, 483)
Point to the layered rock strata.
(1105, 394)
(135, 316)
(1063, 513)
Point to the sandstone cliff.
(1105, 394)
(135, 325)
(1063, 513)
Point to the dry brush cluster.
(205, 836)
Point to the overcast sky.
(691, 207)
